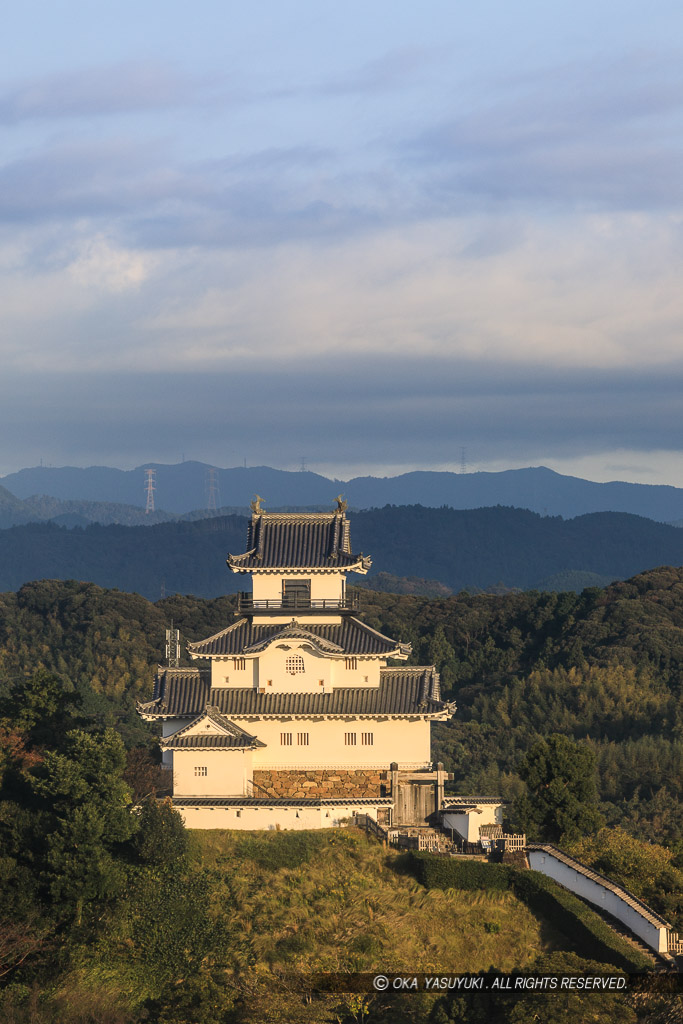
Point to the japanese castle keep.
(293, 717)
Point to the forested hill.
(605, 667)
(471, 549)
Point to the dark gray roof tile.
(349, 637)
(282, 540)
(404, 691)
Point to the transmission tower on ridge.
(173, 647)
(213, 499)
(463, 461)
(150, 488)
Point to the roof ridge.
(228, 629)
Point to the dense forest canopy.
(492, 549)
(603, 667)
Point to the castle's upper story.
(298, 562)
(296, 643)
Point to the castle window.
(367, 738)
(294, 664)
(302, 739)
(285, 739)
(350, 739)
(201, 771)
(239, 664)
(351, 663)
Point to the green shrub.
(161, 839)
(446, 873)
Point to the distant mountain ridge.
(182, 488)
(413, 548)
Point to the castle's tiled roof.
(199, 742)
(285, 540)
(350, 636)
(231, 736)
(402, 691)
(178, 688)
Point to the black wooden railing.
(297, 603)
(371, 826)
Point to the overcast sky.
(367, 235)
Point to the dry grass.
(345, 907)
(349, 909)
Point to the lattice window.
(201, 771)
(367, 738)
(302, 739)
(351, 663)
(239, 664)
(285, 739)
(350, 739)
(294, 664)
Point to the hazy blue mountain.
(183, 488)
(482, 549)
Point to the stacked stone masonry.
(324, 782)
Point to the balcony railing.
(298, 603)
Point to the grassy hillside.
(283, 904)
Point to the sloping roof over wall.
(348, 637)
(641, 908)
(308, 540)
(230, 736)
(404, 691)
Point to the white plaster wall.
(265, 587)
(328, 587)
(225, 673)
(303, 618)
(468, 823)
(324, 586)
(655, 936)
(274, 677)
(227, 772)
(272, 818)
(366, 672)
(406, 741)
(321, 672)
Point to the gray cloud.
(114, 89)
(580, 133)
(367, 412)
(254, 199)
(391, 71)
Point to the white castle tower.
(294, 718)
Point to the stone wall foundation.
(321, 783)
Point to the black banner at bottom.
(516, 982)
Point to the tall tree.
(561, 798)
(86, 816)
